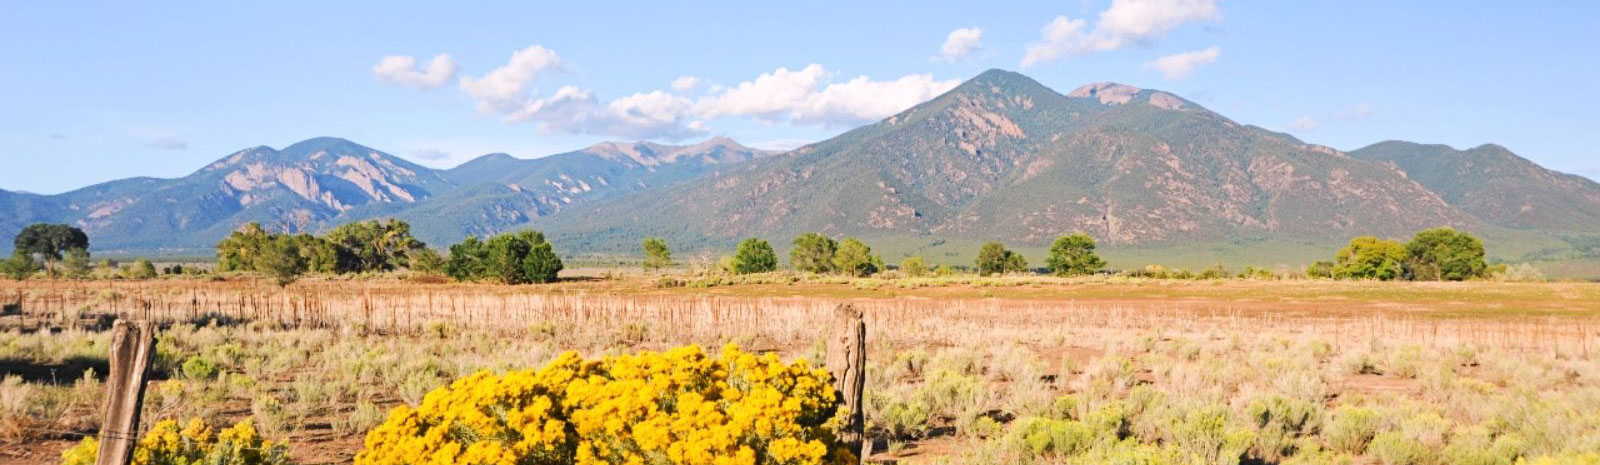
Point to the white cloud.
(1179, 65)
(505, 89)
(402, 70)
(685, 83)
(169, 143)
(1354, 113)
(654, 115)
(804, 97)
(430, 154)
(961, 43)
(1124, 23)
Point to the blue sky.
(93, 91)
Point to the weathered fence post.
(847, 362)
(132, 347)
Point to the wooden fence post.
(847, 362)
(132, 347)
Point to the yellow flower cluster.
(194, 443)
(681, 407)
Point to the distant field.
(960, 369)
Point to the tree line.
(519, 257)
(1438, 254)
(1070, 255)
(377, 246)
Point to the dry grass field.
(960, 369)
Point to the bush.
(1394, 448)
(142, 269)
(1351, 429)
(193, 444)
(681, 406)
(914, 267)
(199, 367)
(754, 256)
(1043, 437)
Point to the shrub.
(914, 267)
(1394, 448)
(1320, 269)
(142, 269)
(1351, 429)
(1044, 437)
(754, 256)
(1073, 254)
(199, 367)
(681, 406)
(193, 444)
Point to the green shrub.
(199, 367)
(1394, 448)
(1044, 437)
(1351, 428)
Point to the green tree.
(542, 264)
(1320, 269)
(656, 254)
(320, 255)
(914, 266)
(1015, 263)
(813, 252)
(373, 245)
(426, 260)
(1368, 257)
(20, 266)
(468, 260)
(142, 269)
(239, 250)
(511, 258)
(280, 258)
(992, 258)
(49, 241)
(1073, 254)
(854, 258)
(76, 264)
(1445, 254)
(754, 256)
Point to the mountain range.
(1000, 157)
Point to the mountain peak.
(314, 145)
(1109, 93)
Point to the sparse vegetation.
(656, 254)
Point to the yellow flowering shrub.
(193, 444)
(680, 407)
